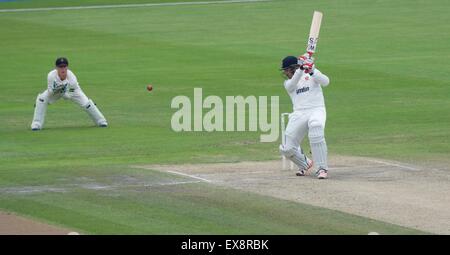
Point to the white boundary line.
(188, 175)
(128, 6)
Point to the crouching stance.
(304, 85)
(63, 83)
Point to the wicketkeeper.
(62, 83)
(304, 85)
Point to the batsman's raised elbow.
(326, 82)
(323, 80)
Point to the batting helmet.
(289, 61)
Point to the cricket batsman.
(304, 85)
(62, 83)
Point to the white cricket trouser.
(311, 121)
(77, 96)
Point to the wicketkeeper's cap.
(289, 61)
(61, 61)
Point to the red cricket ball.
(149, 87)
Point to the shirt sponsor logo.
(302, 90)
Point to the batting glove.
(308, 64)
(302, 59)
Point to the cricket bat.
(314, 33)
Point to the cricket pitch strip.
(389, 191)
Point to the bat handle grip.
(310, 53)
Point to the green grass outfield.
(388, 98)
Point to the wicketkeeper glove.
(59, 88)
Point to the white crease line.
(112, 187)
(188, 175)
(38, 189)
(393, 164)
(26, 190)
(351, 167)
(128, 6)
(158, 184)
(173, 172)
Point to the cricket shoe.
(35, 127)
(303, 172)
(322, 174)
